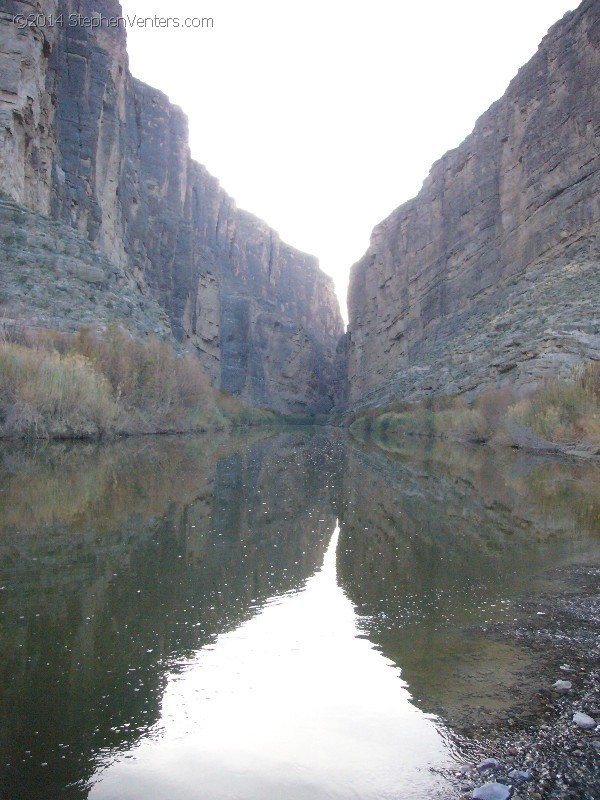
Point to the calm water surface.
(293, 616)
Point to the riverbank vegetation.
(90, 384)
(559, 415)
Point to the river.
(290, 615)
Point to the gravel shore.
(550, 748)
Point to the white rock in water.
(562, 686)
(583, 721)
(491, 791)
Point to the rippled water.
(294, 616)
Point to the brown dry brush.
(560, 412)
(563, 412)
(92, 384)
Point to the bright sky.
(323, 116)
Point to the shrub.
(559, 412)
(469, 424)
(90, 383)
(493, 404)
(562, 411)
(155, 388)
(47, 394)
(588, 378)
(459, 422)
(241, 415)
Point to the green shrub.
(241, 415)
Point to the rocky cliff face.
(491, 273)
(83, 142)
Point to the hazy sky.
(322, 117)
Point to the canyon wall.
(491, 273)
(84, 143)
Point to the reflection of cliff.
(433, 543)
(156, 549)
(557, 494)
(119, 561)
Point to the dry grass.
(155, 388)
(588, 378)
(45, 394)
(90, 384)
(466, 423)
(560, 413)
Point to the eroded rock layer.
(84, 143)
(491, 273)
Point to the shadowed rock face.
(491, 273)
(85, 143)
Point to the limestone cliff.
(86, 144)
(491, 273)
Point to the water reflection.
(127, 560)
(165, 596)
(292, 704)
(439, 539)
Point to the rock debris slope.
(491, 274)
(85, 144)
